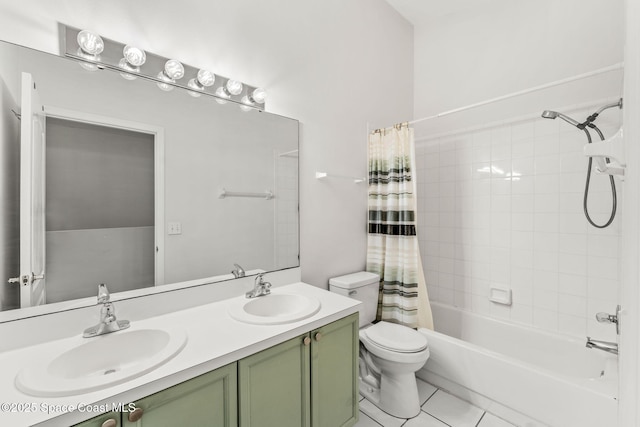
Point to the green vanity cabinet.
(207, 400)
(310, 380)
(334, 373)
(110, 419)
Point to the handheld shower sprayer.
(548, 114)
(588, 123)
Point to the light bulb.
(124, 64)
(222, 95)
(259, 95)
(206, 78)
(234, 87)
(134, 55)
(90, 43)
(89, 66)
(246, 104)
(174, 69)
(165, 86)
(193, 84)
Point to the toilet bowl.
(390, 354)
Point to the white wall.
(467, 58)
(333, 65)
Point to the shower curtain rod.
(613, 67)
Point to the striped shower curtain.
(392, 242)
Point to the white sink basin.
(101, 362)
(273, 309)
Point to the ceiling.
(421, 12)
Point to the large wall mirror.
(111, 180)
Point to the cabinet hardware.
(110, 423)
(136, 415)
(306, 341)
(318, 336)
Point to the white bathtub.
(515, 370)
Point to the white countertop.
(214, 340)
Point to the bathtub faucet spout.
(609, 347)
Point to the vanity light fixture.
(246, 104)
(89, 66)
(173, 70)
(203, 80)
(93, 52)
(164, 83)
(258, 95)
(91, 46)
(134, 55)
(90, 43)
(133, 58)
(222, 95)
(233, 87)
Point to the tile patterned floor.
(439, 409)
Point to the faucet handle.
(259, 278)
(603, 317)
(238, 272)
(606, 318)
(103, 294)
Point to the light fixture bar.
(154, 65)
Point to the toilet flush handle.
(351, 293)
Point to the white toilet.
(390, 354)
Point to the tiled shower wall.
(502, 207)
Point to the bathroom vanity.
(229, 373)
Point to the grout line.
(430, 396)
(436, 418)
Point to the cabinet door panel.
(274, 386)
(334, 374)
(102, 420)
(207, 400)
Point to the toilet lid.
(396, 337)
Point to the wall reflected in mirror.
(132, 177)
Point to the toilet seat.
(394, 337)
(384, 350)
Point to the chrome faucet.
(108, 321)
(238, 271)
(260, 287)
(609, 347)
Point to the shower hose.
(614, 197)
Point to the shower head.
(548, 114)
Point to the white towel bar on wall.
(356, 179)
(267, 195)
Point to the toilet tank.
(362, 286)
